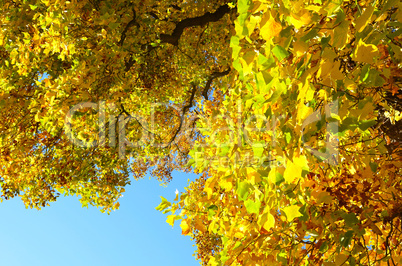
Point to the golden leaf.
(270, 29)
(365, 53)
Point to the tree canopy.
(289, 111)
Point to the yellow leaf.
(104, 33)
(239, 234)
(350, 84)
(50, 94)
(46, 2)
(272, 175)
(37, 118)
(300, 48)
(336, 74)
(324, 197)
(300, 20)
(253, 176)
(292, 172)
(340, 259)
(303, 112)
(327, 63)
(226, 184)
(170, 219)
(209, 187)
(292, 212)
(398, 115)
(212, 262)
(270, 221)
(252, 23)
(302, 162)
(364, 19)
(270, 29)
(340, 35)
(398, 15)
(200, 226)
(365, 53)
(185, 229)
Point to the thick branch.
(191, 22)
(209, 82)
(129, 63)
(128, 26)
(190, 104)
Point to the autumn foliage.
(289, 111)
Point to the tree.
(301, 160)
(83, 72)
(290, 111)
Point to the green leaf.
(366, 124)
(190, 162)
(212, 210)
(243, 6)
(341, 34)
(325, 41)
(288, 137)
(350, 123)
(266, 63)
(311, 34)
(352, 261)
(242, 20)
(373, 167)
(346, 239)
(163, 205)
(324, 247)
(279, 178)
(224, 150)
(253, 206)
(350, 219)
(280, 52)
(113, 25)
(234, 44)
(243, 190)
(365, 72)
(280, 88)
(238, 66)
(258, 149)
(375, 79)
(303, 211)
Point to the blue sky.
(67, 234)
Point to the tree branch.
(123, 110)
(209, 82)
(128, 64)
(192, 96)
(185, 109)
(191, 22)
(128, 26)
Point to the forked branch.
(191, 22)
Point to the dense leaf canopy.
(122, 61)
(290, 111)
